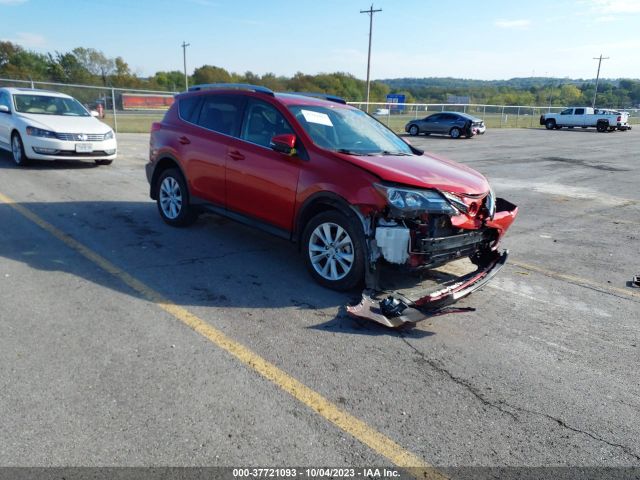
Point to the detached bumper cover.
(395, 310)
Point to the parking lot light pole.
(595, 94)
(184, 59)
(371, 11)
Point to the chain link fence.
(133, 111)
(124, 109)
(397, 115)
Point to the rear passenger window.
(221, 113)
(189, 108)
(579, 111)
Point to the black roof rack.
(324, 96)
(235, 86)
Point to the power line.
(184, 59)
(595, 94)
(371, 11)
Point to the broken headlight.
(409, 200)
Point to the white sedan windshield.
(348, 130)
(47, 105)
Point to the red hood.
(425, 171)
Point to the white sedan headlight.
(39, 132)
(108, 135)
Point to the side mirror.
(94, 113)
(4, 109)
(285, 143)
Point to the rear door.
(447, 122)
(579, 117)
(262, 183)
(206, 141)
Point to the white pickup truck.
(604, 120)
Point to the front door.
(262, 183)
(5, 121)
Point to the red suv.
(314, 170)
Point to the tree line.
(88, 66)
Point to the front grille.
(440, 250)
(76, 137)
(71, 154)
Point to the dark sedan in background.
(453, 124)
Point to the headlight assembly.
(108, 135)
(39, 132)
(409, 200)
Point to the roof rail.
(235, 86)
(324, 96)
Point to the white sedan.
(44, 125)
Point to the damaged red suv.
(312, 169)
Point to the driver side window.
(262, 122)
(568, 111)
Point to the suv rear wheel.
(414, 130)
(334, 250)
(173, 199)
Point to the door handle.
(236, 155)
(184, 140)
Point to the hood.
(423, 171)
(65, 124)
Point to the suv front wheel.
(173, 199)
(333, 245)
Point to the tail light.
(619, 118)
(155, 126)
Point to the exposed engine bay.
(405, 246)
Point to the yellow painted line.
(584, 282)
(355, 427)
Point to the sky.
(480, 39)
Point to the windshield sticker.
(317, 117)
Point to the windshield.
(47, 105)
(348, 130)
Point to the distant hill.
(519, 83)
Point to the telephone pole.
(595, 94)
(371, 11)
(184, 59)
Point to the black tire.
(104, 162)
(17, 150)
(550, 124)
(602, 126)
(414, 130)
(173, 199)
(352, 226)
(455, 132)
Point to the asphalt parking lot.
(98, 371)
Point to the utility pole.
(184, 58)
(371, 11)
(595, 94)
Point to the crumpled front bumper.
(394, 310)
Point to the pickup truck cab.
(585, 117)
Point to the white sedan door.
(5, 121)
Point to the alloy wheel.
(170, 198)
(331, 251)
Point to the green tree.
(210, 74)
(95, 62)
